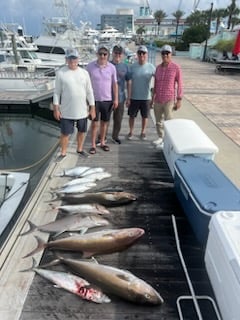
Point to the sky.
(30, 14)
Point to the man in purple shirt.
(104, 82)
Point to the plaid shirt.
(168, 83)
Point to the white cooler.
(184, 137)
(222, 259)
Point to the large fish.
(88, 178)
(79, 172)
(103, 198)
(73, 284)
(76, 188)
(85, 208)
(117, 281)
(70, 223)
(93, 243)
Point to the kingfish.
(70, 223)
(93, 243)
(103, 198)
(116, 281)
(73, 284)
(82, 208)
(79, 172)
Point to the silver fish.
(79, 172)
(93, 243)
(70, 223)
(103, 198)
(82, 208)
(77, 188)
(117, 281)
(89, 178)
(73, 284)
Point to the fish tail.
(32, 227)
(40, 246)
(34, 265)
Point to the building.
(123, 20)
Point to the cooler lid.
(209, 186)
(188, 138)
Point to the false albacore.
(70, 223)
(103, 198)
(116, 281)
(93, 243)
(72, 283)
(79, 172)
(92, 208)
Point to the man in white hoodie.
(73, 102)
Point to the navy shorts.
(136, 105)
(67, 125)
(103, 110)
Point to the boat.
(110, 34)
(13, 188)
(61, 33)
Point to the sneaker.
(158, 141)
(117, 141)
(129, 136)
(83, 154)
(143, 136)
(159, 146)
(61, 157)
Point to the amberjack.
(120, 282)
(85, 208)
(103, 198)
(93, 243)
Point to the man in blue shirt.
(123, 78)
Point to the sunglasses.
(141, 52)
(102, 54)
(165, 53)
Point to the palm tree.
(177, 15)
(232, 11)
(159, 15)
(218, 14)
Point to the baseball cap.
(143, 49)
(118, 49)
(72, 53)
(103, 47)
(167, 48)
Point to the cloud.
(30, 13)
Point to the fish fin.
(52, 263)
(83, 231)
(40, 246)
(123, 277)
(34, 265)
(32, 227)
(55, 235)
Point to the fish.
(93, 243)
(92, 208)
(77, 188)
(69, 223)
(103, 198)
(88, 178)
(113, 280)
(79, 171)
(71, 283)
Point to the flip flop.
(92, 150)
(105, 148)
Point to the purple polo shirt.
(102, 79)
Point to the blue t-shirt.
(123, 74)
(141, 76)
